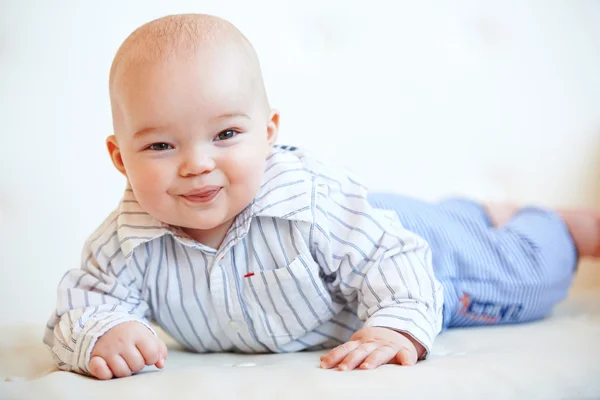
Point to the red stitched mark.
(249, 274)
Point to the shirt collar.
(135, 226)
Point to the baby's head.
(192, 123)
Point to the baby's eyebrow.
(143, 132)
(232, 115)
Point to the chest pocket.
(290, 301)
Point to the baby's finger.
(118, 366)
(406, 357)
(356, 357)
(134, 359)
(150, 350)
(336, 355)
(380, 356)
(164, 353)
(99, 368)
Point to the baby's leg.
(491, 274)
(583, 225)
(522, 266)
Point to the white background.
(496, 100)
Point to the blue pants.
(515, 273)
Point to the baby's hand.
(126, 349)
(371, 347)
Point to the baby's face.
(193, 136)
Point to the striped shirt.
(304, 266)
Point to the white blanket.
(558, 358)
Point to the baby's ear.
(273, 127)
(115, 153)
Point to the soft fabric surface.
(558, 358)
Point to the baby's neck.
(210, 237)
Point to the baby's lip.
(204, 191)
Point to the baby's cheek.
(246, 180)
(150, 186)
(146, 180)
(246, 167)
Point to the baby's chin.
(199, 226)
(217, 219)
(203, 221)
(189, 224)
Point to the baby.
(231, 243)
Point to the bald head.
(180, 37)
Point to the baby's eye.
(228, 134)
(160, 146)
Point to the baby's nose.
(196, 164)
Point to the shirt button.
(234, 325)
(245, 364)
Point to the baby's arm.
(398, 298)
(101, 315)
(388, 271)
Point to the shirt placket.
(231, 310)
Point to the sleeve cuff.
(410, 321)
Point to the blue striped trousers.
(515, 273)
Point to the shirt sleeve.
(373, 261)
(102, 294)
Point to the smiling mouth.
(203, 196)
